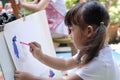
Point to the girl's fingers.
(16, 75)
(31, 50)
(17, 72)
(31, 44)
(34, 44)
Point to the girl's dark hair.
(89, 13)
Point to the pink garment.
(55, 18)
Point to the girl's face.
(77, 37)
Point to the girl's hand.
(23, 76)
(35, 49)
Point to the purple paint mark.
(51, 74)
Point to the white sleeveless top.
(102, 67)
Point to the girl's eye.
(70, 30)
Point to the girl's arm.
(54, 62)
(58, 63)
(35, 6)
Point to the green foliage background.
(114, 12)
(113, 7)
(71, 3)
(25, 11)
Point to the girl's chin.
(76, 46)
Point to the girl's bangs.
(73, 16)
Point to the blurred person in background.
(55, 11)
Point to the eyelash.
(70, 30)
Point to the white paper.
(5, 60)
(34, 28)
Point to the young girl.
(88, 22)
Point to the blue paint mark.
(51, 74)
(15, 47)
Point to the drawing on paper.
(15, 46)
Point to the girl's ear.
(89, 31)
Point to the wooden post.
(16, 8)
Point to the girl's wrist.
(37, 78)
(41, 56)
